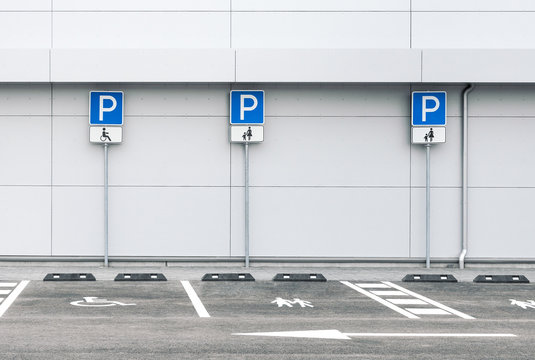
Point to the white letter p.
(425, 109)
(244, 108)
(103, 109)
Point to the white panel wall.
(345, 66)
(77, 34)
(26, 225)
(336, 168)
(25, 30)
(501, 223)
(141, 5)
(320, 30)
(131, 65)
(472, 5)
(326, 222)
(129, 30)
(473, 30)
(24, 65)
(173, 221)
(25, 176)
(320, 5)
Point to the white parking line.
(197, 304)
(388, 293)
(432, 302)
(11, 298)
(8, 285)
(426, 335)
(373, 286)
(407, 301)
(427, 311)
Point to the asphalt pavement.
(359, 313)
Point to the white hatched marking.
(373, 286)
(11, 298)
(197, 303)
(12, 285)
(429, 301)
(388, 293)
(407, 301)
(427, 311)
(1, 299)
(5, 292)
(380, 300)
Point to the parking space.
(72, 300)
(265, 319)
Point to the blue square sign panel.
(106, 108)
(428, 108)
(247, 107)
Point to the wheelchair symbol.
(96, 302)
(105, 135)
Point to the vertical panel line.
(410, 26)
(230, 24)
(410, 175)
(51, 167)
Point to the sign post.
(428, 120)
(106, 117)
(246, 126)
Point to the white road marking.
(311, 334)
(336, 334)
(388, 293)
(427, 311)
(197, 304)
(373, 286)
(4, 292)
(425, 335)
(432, 302)
(407, 301)
(11, 298)
(380, 300)
(8, 285)
(1, 299)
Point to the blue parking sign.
(247, 107)
(428, 108)
(106, 107)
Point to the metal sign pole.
(106, 205)
(427, 205)
(246, 205)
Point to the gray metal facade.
(335, 177)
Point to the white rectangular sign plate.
(246, 134)
(429, 135)
(105, 134)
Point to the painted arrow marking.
(336, 334)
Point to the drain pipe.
(466, 91)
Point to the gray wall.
(335, 177)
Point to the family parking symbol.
(290, 303)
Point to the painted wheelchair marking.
(91, 301)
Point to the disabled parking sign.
(428, 108)
(106, 108)
(247, 107)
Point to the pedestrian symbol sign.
(246, 134)
(106, 108)
(428, 108)
(428, 135)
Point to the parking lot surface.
(263, 319)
